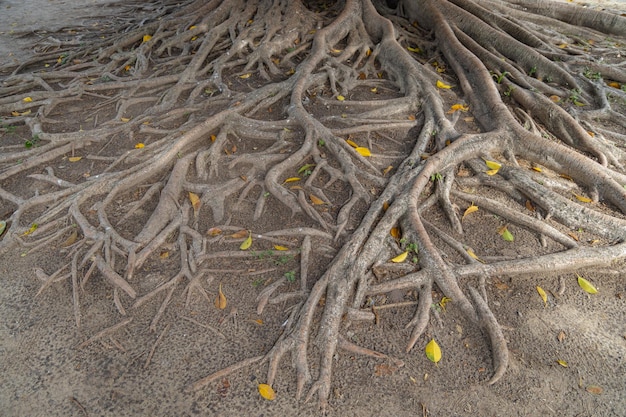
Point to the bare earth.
(49, 367)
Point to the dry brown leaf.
(316, 200)
(195, 202)
(239, 234)
(70, 240)
(220, 300)
(214, 231)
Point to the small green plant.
(436, 177)
(532, 71)
(574, 97)
(290, 276)
(592, 75)
(282, 260)
(500, 77)
(321, 142)
(412, 248)
(257, 282)
(509, 91)
(32, 142)
(266, 194)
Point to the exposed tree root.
(297, 81)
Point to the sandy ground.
(47, 369)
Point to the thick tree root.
(174, 104)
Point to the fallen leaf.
(341, 98)
(433, 351)
(3, 226)
(529, 205)
(442, 85)
(139, 145)
(614, 84)
(562, 45)
(74, 158)
(458, 107)
(561, 336)
(195, 202)
(246, 243)
(164, 255)
(335, 51)
(567, 177)
(537, 168)
(472, 208)
(239, 234)
(351, 143)
(305, 168)
(594, 389)
(362, 76)
(292, 179)
(471, 253)
(385, 205)
(363, 151)
(267, 392)
(555, 98)
(416, 50)
(125, 119)
(33, 227)
(69, 241)
(386, 170)
(443, 302)
(220, 300)
(582, 198)
(395, 232)
(562, 363)
(258, 322)
(493, 164)
(543, 295)
(506, 234)
(192, 27)
(27, 99)
(316, 200)
(491, 172)
(374, 90)
(214, 231)
(401, 257)
(146, 38)
(213, 137)
(245, 76)
(383, 369)
(586, 285)
(278, 247)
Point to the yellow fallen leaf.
(33, 227)
(614, 84)
(74, 158)
(555, 98)
(441, 84)
(351, 143)
(374, 90)
(341, 98)
(416, 50)
(244, 76)
(562, 363)
(363, 151)
(15, 113)
(401, 257)
(386, 170)
(493, 164)
(213, 137)
(443, 302)
(395, 232)
(582, 198)
(146, 38)
(195, 202)
(543, 295)
(335, 51)
(267, 392)
(471, 209)
(586, 285)
(164, 255)
(139, 145)
(292, 179)
(27, 99)
(278, 247)
(433, 351)
(562, 45)
(192, 27)
(125, 119)
(220, 301)
(471, 253)
(491, 172)
(316, 200)
(458, 107)
(537, 168)
(246, 243)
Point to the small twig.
(156, 343)
(105, 332)
(206, 326)
(79, 405)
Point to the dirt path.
(47, 368)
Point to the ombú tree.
(363, 123)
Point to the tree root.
(246, 103)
